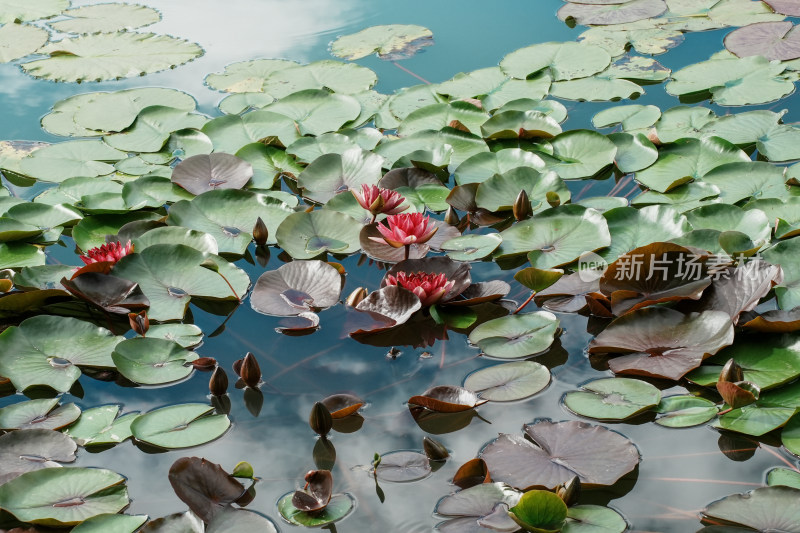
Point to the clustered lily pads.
(693, 282)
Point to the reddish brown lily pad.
(447, 399)
(776, 321)
(774, 40)
(663, 342)
(317, 492)
(473, 472)
(555, 452)
(110, 293)
(389, 306)
(296, 288)
(204, 486)
(568, 294)
(342, 405)
(656, 273)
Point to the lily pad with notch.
(509, 382)
(295, 288)
(180, 426)
(26, 450)
(516, 336)
(101, 426)
(152, 361)
(202, 173)
(613, 399)
(204, 486)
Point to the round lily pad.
(516, 336)
(403, 466)
(509, 382)
(307, 235)
(338, 508)
(390, 42)
(106, 17)
(593, 519)
(20, 40)
(763, 509)
(565, 61)
(472, 247)
(202, 173)
(111, 523)
(783, 476)
(48, 351)
(100, 426)
(684, 411)
(64, 496)
(295, 288)
(608, 13)
(180, 426)
(540, 510)
(108, 56)
(44, 413)
(152, 361)
(773, 40)
(26, 450)
(13, 10)
(317, 111)
(612, 398)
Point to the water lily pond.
(530, 265)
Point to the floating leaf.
(316, 111)
(565, 61)
(106, 17)
(342, 405)
(38, 414)
(472, 247)
(307, 235)
(612, 398)
(64, 496)
(47, 351)
(790, 436)
(763, 509)
(509, 382)
(108, 56)
(204, 486)
(446, 399)
(180, 426)
(784, 477)
(331, 174)
(232, 520)
(20, 40)
(13, 10)
(470, 507)
(403, 466)
(473, 472)
(100, 426)
(201, 173)
(484, 165)
(494, 89)
(296, 288)
(152, 361)
(595, 519)
(607, 13)
(557, 452)
(540, 510)
(516, 336)
(111, 523)
(58, 162)
(773, 40)
(26, 450)
(338, 508)
(391, 42)
(684, 411)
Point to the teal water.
(681, 470)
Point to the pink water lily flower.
(377, 200)
(111, 252)
(429, 288)
(406, 229)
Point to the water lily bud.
(522, 206)
(250, 372)
(243, 469)
(570, 491)
(218, 384)
(553, 199)
(356, 297)
(260, 232)
(434, 449)
(731, 372)
(139, 322)
(451, 217)
(320, 419)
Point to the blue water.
(681, 471)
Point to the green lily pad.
(790, 436)
(593, 519)
(108, 56)
(682, 198)
(100, 426)
(464, 145)
(540, 511)
(176, 235)
(151, 361)
(18, 255)
(484, 165)
(180, 426)
(612, 398)
(732, 82)
(47, 351)
(64, 496)
(689, 159)
(338, 507)
(344, 78)
(187, 335)
(579, 154)
(307, 235)
(229, 216)
(438, 116)
(390, 42)
(499, 192)
(232, 132)
(246, 76)
(520, 125)
(682, 121)
(606, 86)
(330, 174)
(634, 152)
(684, 411)
(238, 103)
(472, 247)
(509, 382)
(69, 159)
(752, 179)
(106, 17)
(20, 40)
(316, 111)
(565, 61)
(556, 236)
(171, 275)
(630, 117)
(516, 336)
(784, 477)
(115, 111)
(152, 128)
(493, 88)
(111, 523)
(269, 164)
(783, 254)
(38, 414)
(616, 12)
(763, 509)
(13, 10)
(152, 192)
(409, 99)
(92, 230)
(617, 40)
